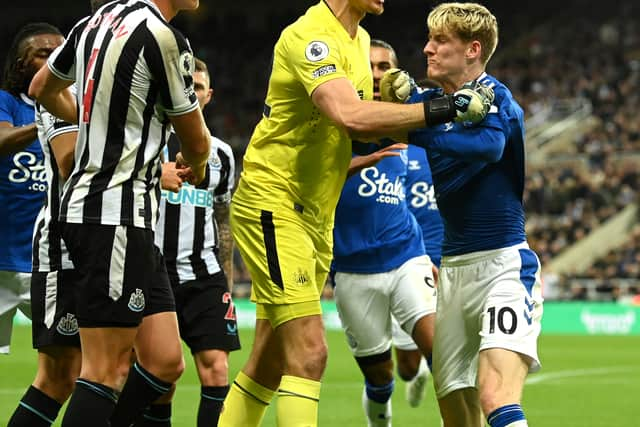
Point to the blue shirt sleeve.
(7, 107)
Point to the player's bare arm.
(50, 91)
(63, 147)
(225, 247)
(338, 99)
(195, 143)
(360, 162)
(14, 139)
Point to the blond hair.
(468, 21)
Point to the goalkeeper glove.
(469, 104)
(396, 85)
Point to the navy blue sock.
(140, 390)
(155, 415)
(35, 409)
(211, 399)
(506, 415)
(379, 394)
(91, 404)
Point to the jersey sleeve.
(7, 106)
(62, 61)
(171, 64)
(222, 193)
(51, 126)
(313, 58)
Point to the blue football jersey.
(374, 230)
(421, 199)
(23, 188)
(478, 173)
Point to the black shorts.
(206, 314)
(53, 309)
(117, 267)
(160, 292)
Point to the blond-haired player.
(319, 98)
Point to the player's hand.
(396, 85)
(172, 178)
(472, 102)
(360, 162)
(193, 174)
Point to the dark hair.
(201, 66)
(97, 4)
(383, 44)
(14, 78)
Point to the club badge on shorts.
(136, 301)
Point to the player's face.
(37, 50)
(446, 58)
(374, 7)
(381, 60)
(201, 87)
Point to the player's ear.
(474, 49)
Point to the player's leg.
(363, 305)
(14, 295)
(411, 365)
(208, 326)
(413, 302)
(287, 260)
(257, 382)
(114, 264)
(455, 347)
(55, 336)
(510, 329)
(158, 351)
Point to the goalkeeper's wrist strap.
(439, 110)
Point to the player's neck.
(454, 83)
(348, 16)
(166, 9)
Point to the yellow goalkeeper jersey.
(297, 157)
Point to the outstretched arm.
(14, 139)
(360, 162)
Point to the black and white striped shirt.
(133, 71)
(49, 250)
(187, 232)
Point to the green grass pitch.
(585, 382)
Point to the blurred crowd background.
(574, 66)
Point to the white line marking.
(538, 378)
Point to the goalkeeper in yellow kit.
(319, 99)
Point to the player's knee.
(213, 368)
(313, 360)
(407, 371)
(57, 383)
(378, 368)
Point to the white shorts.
(366, 302)
(14, 294)
(400, 339)
(487, 299)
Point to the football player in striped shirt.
(319, 97)
(489, 296)
(133, 72)
(194, 236)
(23, 182)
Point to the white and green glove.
(396, 85)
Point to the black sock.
(155, 416)
(140, 390)
(211, 399)
(91, 404)
(35, 409)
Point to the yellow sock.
(245, 403)
(298, 402)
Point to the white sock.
(378, 414)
